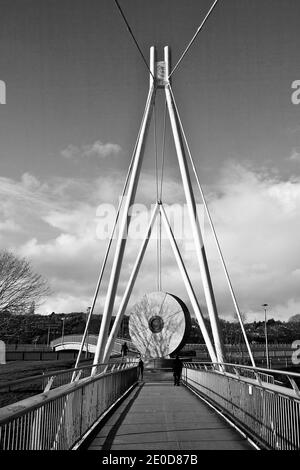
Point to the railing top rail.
(59, 372)
(256, 369)
(20, 408)
(91, 339)
(242, 345)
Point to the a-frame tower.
(159, 80)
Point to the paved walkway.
(163, 417)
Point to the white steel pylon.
(159, 78)
(189, 288)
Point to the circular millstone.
(158, 324)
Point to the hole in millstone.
(156, 324)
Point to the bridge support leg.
(200, 249)
(124, 223)
(188, 286)
(130, 285)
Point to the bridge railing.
(264, 403)
(35, 384)
(91, 340)
(58, 418)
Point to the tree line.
(41, 329)
(22, 290)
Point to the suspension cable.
(160, 196)
(156, 182)
(214, 233)
(133, 37)
(109, 243)
(155, 151)
(194, 37)
(163, 152)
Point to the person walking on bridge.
(141, 368)
(177, 369)
(124, 349)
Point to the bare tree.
(20, 287)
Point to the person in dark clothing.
(141, 368)
(177, 369)
(124, 349)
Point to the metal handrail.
(56, 373)
(47, 421)
(73, 338)
(240, 346)
(7, 412)
(267, 412)
(241, 366)
(92, 341)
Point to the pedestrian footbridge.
(160, 416)
(107, 406)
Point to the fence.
(251, 397)
(58, 418)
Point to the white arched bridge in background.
(73, 342)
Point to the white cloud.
(97, 149)
(295, 155)
(30, 182)
(257, 219)
(9, 226)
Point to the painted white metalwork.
(238, 313)
(251, 397)
(195, 225)
(188, 285)
(159, 77)
(130, 285)
(58, 418)
(124, 222)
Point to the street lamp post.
(266, 335)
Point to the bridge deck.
(160, 416)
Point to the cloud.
(256, 217)
(59, 231)
(9, 225)
(295, 155)
(258, 223)
(30, 182)
(98, 149)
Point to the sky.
(76, 88)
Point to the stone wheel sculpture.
(158, 324)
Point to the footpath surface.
(158, 415)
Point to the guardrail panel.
(269, 413)
(58, 418)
